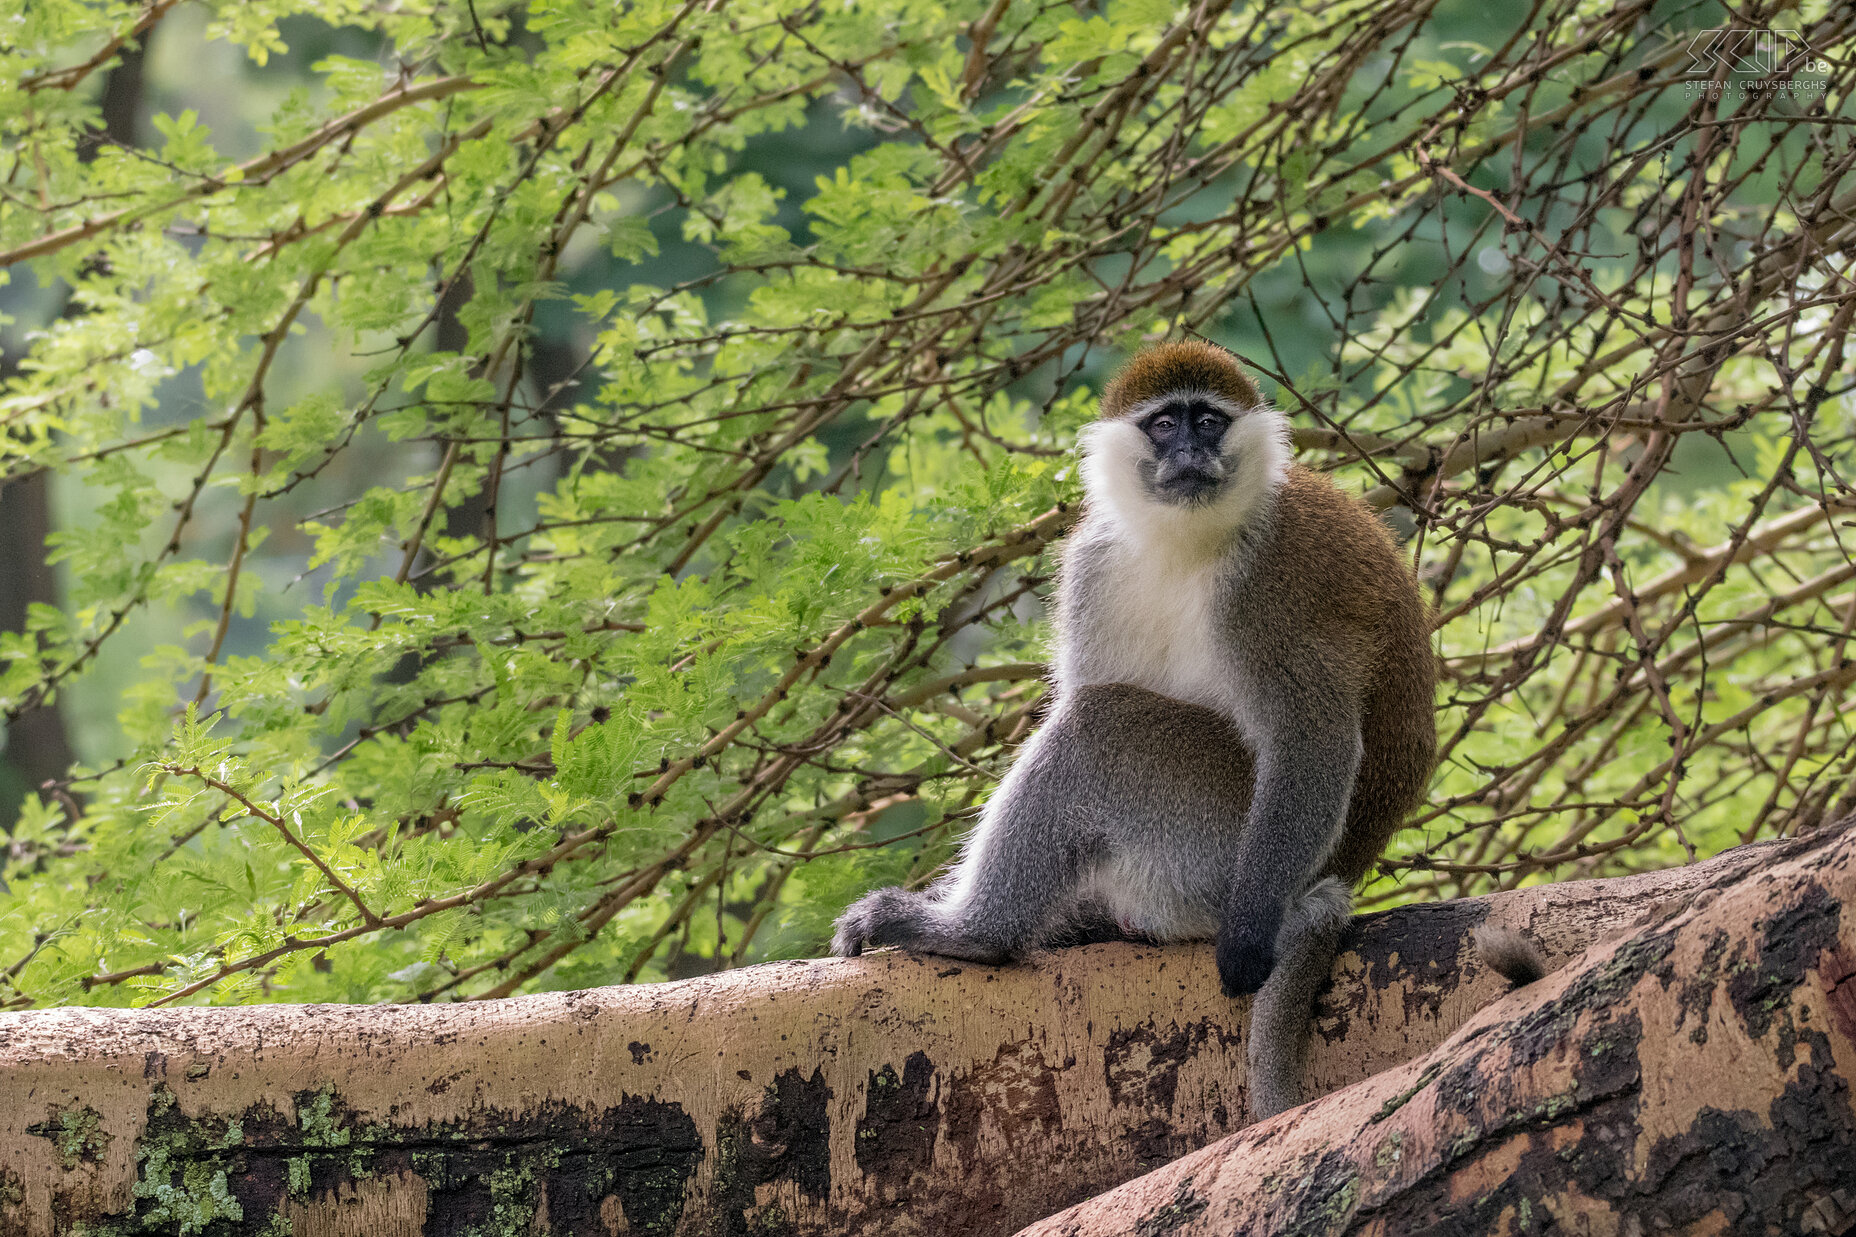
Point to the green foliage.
(580, 479)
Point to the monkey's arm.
(1307, 757)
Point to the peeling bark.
(886, 1094)
(1692, 1075)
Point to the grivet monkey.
(1242, 715)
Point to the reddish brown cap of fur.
(1190, 364)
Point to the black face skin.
(1185, 435)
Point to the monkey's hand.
(891, 916)
(1246, 952)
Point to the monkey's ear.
(1185, 365)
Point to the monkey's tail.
(1280, 1014)
(1509, 954)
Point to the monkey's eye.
(1209, 424)
(1163, 424)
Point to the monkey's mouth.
(1187, 485)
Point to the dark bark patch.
(1695, 992)
(895, 1136)
(1837, 970)
(803, 1105)
(456, 1205)
(642, 1150)
(1608, 1052)
(1327, 1199)
(1606, 1097)
(1601, 1161)
(1334, 1010)
(1142, 1066)
(1543, 1029)
(1015, 1092)
(1173, 1215)
(228, 1176)
(1154, 1142)
(787, 1139)
(1784, 1171)
(1607, 1077)
(487, 1175)
(1791, 1170)
(1790, 943)
(1610, 1057)
(1419, 949)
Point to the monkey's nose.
(1198, 464)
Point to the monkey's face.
(1185, 435)
(1185, 463)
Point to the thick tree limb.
(1693, 1075)
(886, 1094)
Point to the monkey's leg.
(1305, 775)
(1086, 923)
(1030, 851)
(1281, 1012)
(995, 914)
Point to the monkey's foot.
(891, 916)
(918, 923)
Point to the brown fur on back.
(1328, 561)
(1332, 562)
(1188, 365)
